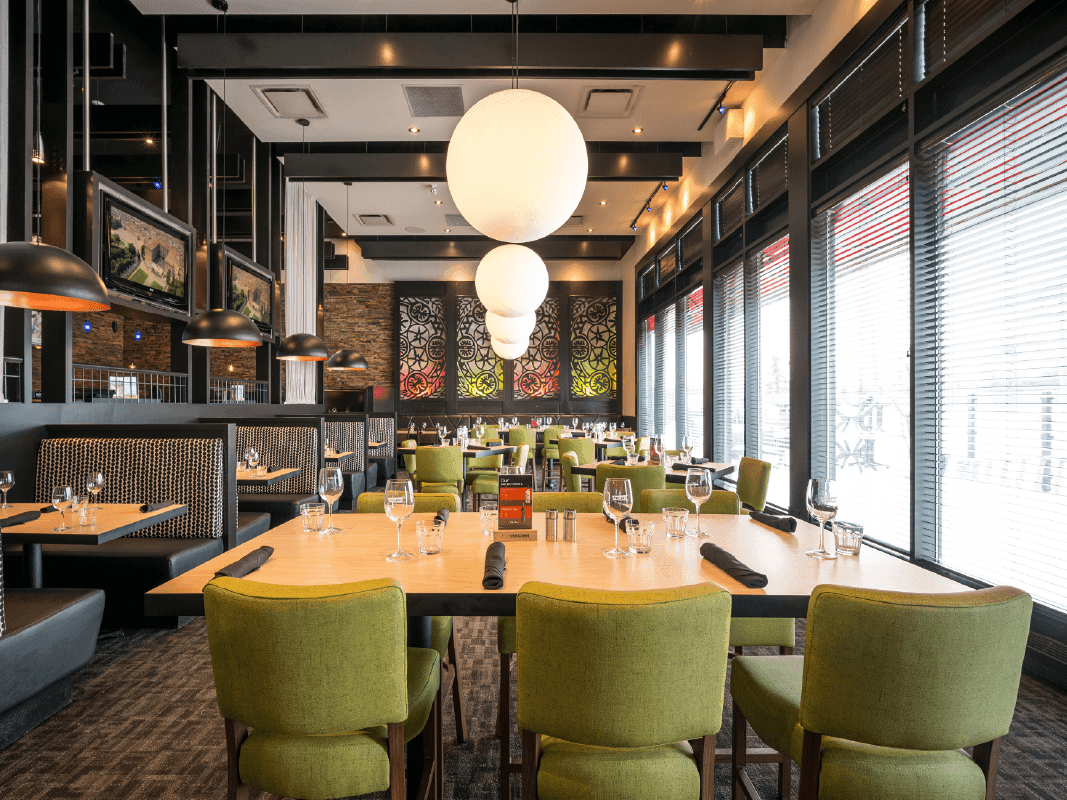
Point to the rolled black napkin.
(272, 470)
(441, 516)
(495, 565)
(246, 564)
(699, 460)
(48, 509)
(18, 519)
(732, 567)
(618, 462)
(147, 507)
(784, 524)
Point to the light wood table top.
(113, 521)
(673, 475)
(375, 445)
(469, 452)
(248, 477)
(451, 583)
(341, 456)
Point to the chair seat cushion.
(767, 688)
(439, 488)
(473, 474)
(550, 453)
(486, 484)
(570, 771)
(758, 632)
(251, 524)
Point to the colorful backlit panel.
(422, 348)
(479, 371)
(593, 347)
(537, 372)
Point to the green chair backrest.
(409, 461)
(492, 432)
(641, 477)
(488, 462)
(625, 701)
(654, 501)
(519, 459)
(308, 660)
(425, 502)
(914, 671)
(551, 437)
(439, 464)
(523, 435)
(571, 482)
(753, 478)
(585, 449)
(582, 502)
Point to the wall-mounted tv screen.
(250, 290)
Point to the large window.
(991, 347)
(729, 365)
(860, 369)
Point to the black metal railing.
(237, 390)
(96, 384)
(12, 379)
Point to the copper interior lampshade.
(222, 327)
(302, 347)
(46, 278)
(346, 360)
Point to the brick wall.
(153, 351)
(360, 317)
(103, 344)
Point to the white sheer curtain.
(300, 250)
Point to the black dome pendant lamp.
(46, 278)
(302, 347)
(346, 360)
(222, 327)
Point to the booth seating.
(382, 428)
(349, 436)
(284, 442)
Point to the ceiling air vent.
(374, 220)
(291, 102)
(573, 222)
(456, 221)
(614, 103)
(435, 101)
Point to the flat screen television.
(249, 289)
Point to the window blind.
(693, 245)
(648, 281)
(991, 346)
(767, 281)
(769, 177)
(666, 371)
(946, 25)
(668, 263)
(731, 208)
(646, 349)
(860, 370)
(692, 418)
(728, 361)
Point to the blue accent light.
(721, 109)
(137, 336)
(665, 187)
(157, 183)
(87, 325)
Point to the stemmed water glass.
(821, 500)
(687, 445)
(62, 498)
(612, 427)
(697, 489)
(94, 483)
(253, 458)
(655, 444)
(331, 486)
(7, 480)
(628, 444)
(618, 500)
(399, 505)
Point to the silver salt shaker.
(551, 525)
(570, 525)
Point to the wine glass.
(247, 454)
(612, 427)
(618, 500)
(628, 444)
(62, 498)
(697, 489)
(821, 499)
(7, 480)
(478, 421)
(656, 445)
(688, 442)
(253, 458)
(331, 487)
(94, 483)
(326, 446)
(574, 423)
(399, 505)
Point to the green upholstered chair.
(753, 478)
(486, 463)
(641, 445)
(442, 632)
(889, 690)
(409, 461)
(582, 502)
(569, 481)
(486, 483)
(318, 688)
(641, 477)
(517, 437)
(585, 451)
(440, 470)
(619, 730)
(653, 501)
(550, 451)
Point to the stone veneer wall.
(361, 317)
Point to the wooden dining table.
(676, 474)
(248, 477)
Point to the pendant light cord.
(515, 44)
(38, 138)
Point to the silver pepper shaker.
(570, 525)
(551, 525)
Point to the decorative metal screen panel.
(593, 347)
(537, 371)
(422, 348)
(479, 371)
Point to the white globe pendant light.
(517, 165)
(508, 351)
(510, 330)
(512, 281)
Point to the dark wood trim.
(810, 764)
(397, 773)
(474, 248)
(236, 733)
(987, 756)
(531, 760)
(799, 310)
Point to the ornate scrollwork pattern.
(593, 347)
(479, 371)
(422, 348)
(537, 371)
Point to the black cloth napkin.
(699, 460)
(441, 516)
(18, 519)
(156, 506)
(621, 462)
(732, 567)
(48, 509)
(495, 566)
(784, 524)
(246, 564)
(272, 470)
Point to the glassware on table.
(311, 515)
(618, 500)
(429, 534)
(77, 503)
(252, 456)
(667, 461)
(675, 520)
(478, 421)
(821, 500)
(424, 426)
(698, 490)
(326, 446)
(514, 420)
(487, 516)
(688, 443)
(628, 445)
(95, 484)
(7, 480)
(62, 498)
(399, 505)
(639, 535)
(655, 444)
(612, 427)
(849, 537)
(331, 487)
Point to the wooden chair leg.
(740, 745)
(236, 733)
(531, 757)
(785, 651)
(398, 789)
(987, 756)
(503, 727)
(785, 777)
(439, 752)
(810, 762)
(457, 690)
(705, 756)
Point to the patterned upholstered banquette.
(347, 437)
(283, 446)
(383, 429)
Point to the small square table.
(248, 477)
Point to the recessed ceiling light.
(448, 230)
(437, 202)
(413, 129)
(603, 202)
(638, 130)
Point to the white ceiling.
(481, 7)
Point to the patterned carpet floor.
(143, 724)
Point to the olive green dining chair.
(442, 631)
(486, 483)
(569, 480)
(485, 463)
(890, 689)
(653, 501)
(585, 452)
(582, 502)
(753, 479)
(620, 730)
(517, 437)
(641, 477)
(318, 689)
(440, 470)
(549, 452)
(410, 464)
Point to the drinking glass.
(697, 489)
(429, 533)
(639, 535)
(399, 505)
(675, 520)
(688, 443)
(331, 487)
(478, 421)
(656, 446)
(62, 497)
(514, 420)
(312, 514)
(487, 516)
(574, 423)
(612, 427)
(500, 422)
(821, 500)
(95, 484)
(326, 445)
(628, 444)
(7, 480)
(253, 458)
(618, 500)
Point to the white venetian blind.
(692, 423)
(991, 347)
(728, 403)
(860, 369)
(666, 372)
(646, 401)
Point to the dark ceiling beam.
(472, 248)
(403, 167)
(687, 149)
(626, 56)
